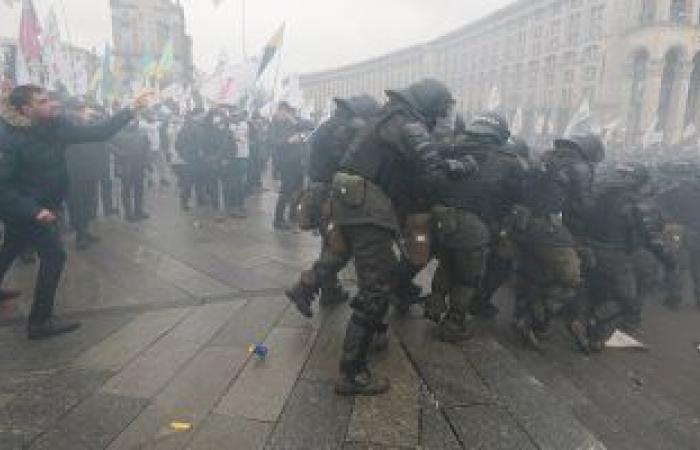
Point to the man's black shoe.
(282, 226)
(8, 294)
(142, 216)
(82, 243)
(91, 238)
(484, 310)
(51, 327)
(333, 295)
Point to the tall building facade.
(80, 63)
(636, 62)
(140, 31)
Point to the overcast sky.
(320, 33)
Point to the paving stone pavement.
(170, 307)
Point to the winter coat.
(33, 167)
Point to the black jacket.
(131, 152)
(33, 168)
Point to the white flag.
(539, 125)
(579, 121)
(22, 75)
(228, 85)
(517, 126)
(292, 93)
(551, 128)
(55, 58)
(689, 131)
(652, 135)
(494, 99)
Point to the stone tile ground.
(170, 307)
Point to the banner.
(230, 84)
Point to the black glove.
(435, 307)
(461, 168)
(520, 218)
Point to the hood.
(11, 116)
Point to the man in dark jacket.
(189, 146)
(33, 185)
(288, 141)
(132, 156)
(88, 164)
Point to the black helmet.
(632, 177)
(490, 124)
(430, 97)
(519, 146)
(363, 106)
(588, 145)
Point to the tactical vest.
(378, 161)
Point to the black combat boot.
(82, 243)
(457, 326)
(580, 333)
(483, 309)
(524, 329)
(356, 379)
(333, 295)
(302, 296)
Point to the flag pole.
(243, 30)
(70, 47)
(277, 73)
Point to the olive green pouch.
(350, 188)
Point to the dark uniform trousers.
(82, 204)
(333, 258)
(613, 291)
(372, 248)
(462, 253)
(548, 279)
(45, 239)
(132, 193)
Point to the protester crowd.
(63, 161)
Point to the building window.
(589, 73)
(590, 54)
(589, 93)
(679, 11)
(572, 36)
(567, 96)
(568, 76)
(554, 27)
(549, 67)
(534, 68)
(596, 25)
(647, 12)
(569, 58)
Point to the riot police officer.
(328, 146)
(371, 192)
(467, 208)
(618, 225)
